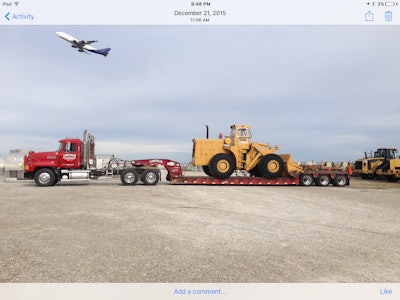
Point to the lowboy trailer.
(308, 178)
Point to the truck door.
(70, 155)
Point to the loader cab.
(240, 135)
(387, 153)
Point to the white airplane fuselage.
(82, 46)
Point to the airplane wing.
(90, 42)
(84, 51)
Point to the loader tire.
(150, 177)
(206, 170)
(129, 177)
(45, 177)
(222, 166)
(271, 166)
(255, 172)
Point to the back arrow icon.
(6, 16)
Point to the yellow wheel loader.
(390, 167)
(368, 166)
(221, 157)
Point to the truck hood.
(35, 156)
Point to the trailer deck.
(204, 180)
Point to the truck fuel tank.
(76, 174)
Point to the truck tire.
(150, 177)
(306, 180)
(323, 180)
(45, 177)
(340, 180)
(222, 166)
(129, 177)
(271, 166)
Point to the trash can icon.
(388, 16)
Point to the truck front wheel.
(129, 177)
(222, 166)
(45, 177)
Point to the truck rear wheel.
(222, 166)
(129, 177)
(150, 177)
(45, 177)
(271, 166)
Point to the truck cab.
(69, 154)
(72, 154)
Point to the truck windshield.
(59, 147)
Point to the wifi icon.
(16, 3)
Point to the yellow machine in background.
(370, 166)
(220, 157)
(390, 168)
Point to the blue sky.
(320, 93)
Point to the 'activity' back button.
(19, 17)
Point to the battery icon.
(390, 3)
(388, 16)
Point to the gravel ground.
(107, 232)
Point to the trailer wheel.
(323, 180)
(45, 177)
(129, 177)
(222, 166)
(340, 180)
(271, 166)
(306, 180)
(150, 177)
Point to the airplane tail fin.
(103, 52)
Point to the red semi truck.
(75, 160)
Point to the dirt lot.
(106, 232)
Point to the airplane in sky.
(83, 46)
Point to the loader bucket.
(291, 167)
